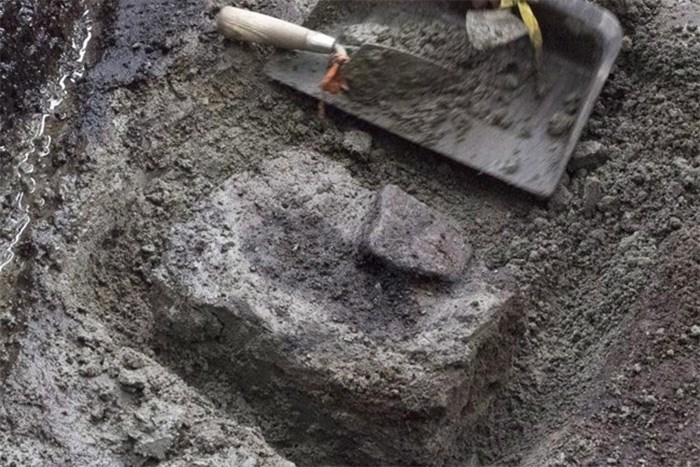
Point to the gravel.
(357, 142)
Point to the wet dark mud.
(33, 36)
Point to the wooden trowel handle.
(255, 27)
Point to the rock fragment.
(407, 235)
(133, 381)
(357, 142)
(155, 427)
(561, 199)
(587, 155)
(202, 326)
(608, 203)
(592, 194)
(627, 43)
(675, 223)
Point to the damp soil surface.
(599, 364)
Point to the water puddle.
(36, 143)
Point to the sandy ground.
(596, 365)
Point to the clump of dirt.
(605, 354)
(269, 282)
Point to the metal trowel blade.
(487, 29)
(379, 72)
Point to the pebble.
(695, 331)
(539, 222)
(627, 43)
(90, 369)
(608, 203)
(587, 155)
(378, 153)
(675, 189)
(357, 142)
(132, 359)
(155, 447)
(648, 400)
(566, 180)
(148, 249)
(407, 235)
(131, 381)
(561, 199)
(675, 223)
(592, 194)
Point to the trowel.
(409, 73)
(493, 110)
(485, 28)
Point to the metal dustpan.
(495, 111)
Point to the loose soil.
(605, 353)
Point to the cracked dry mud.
(190, 290)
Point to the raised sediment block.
(269, 278)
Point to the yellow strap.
(531, 23)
